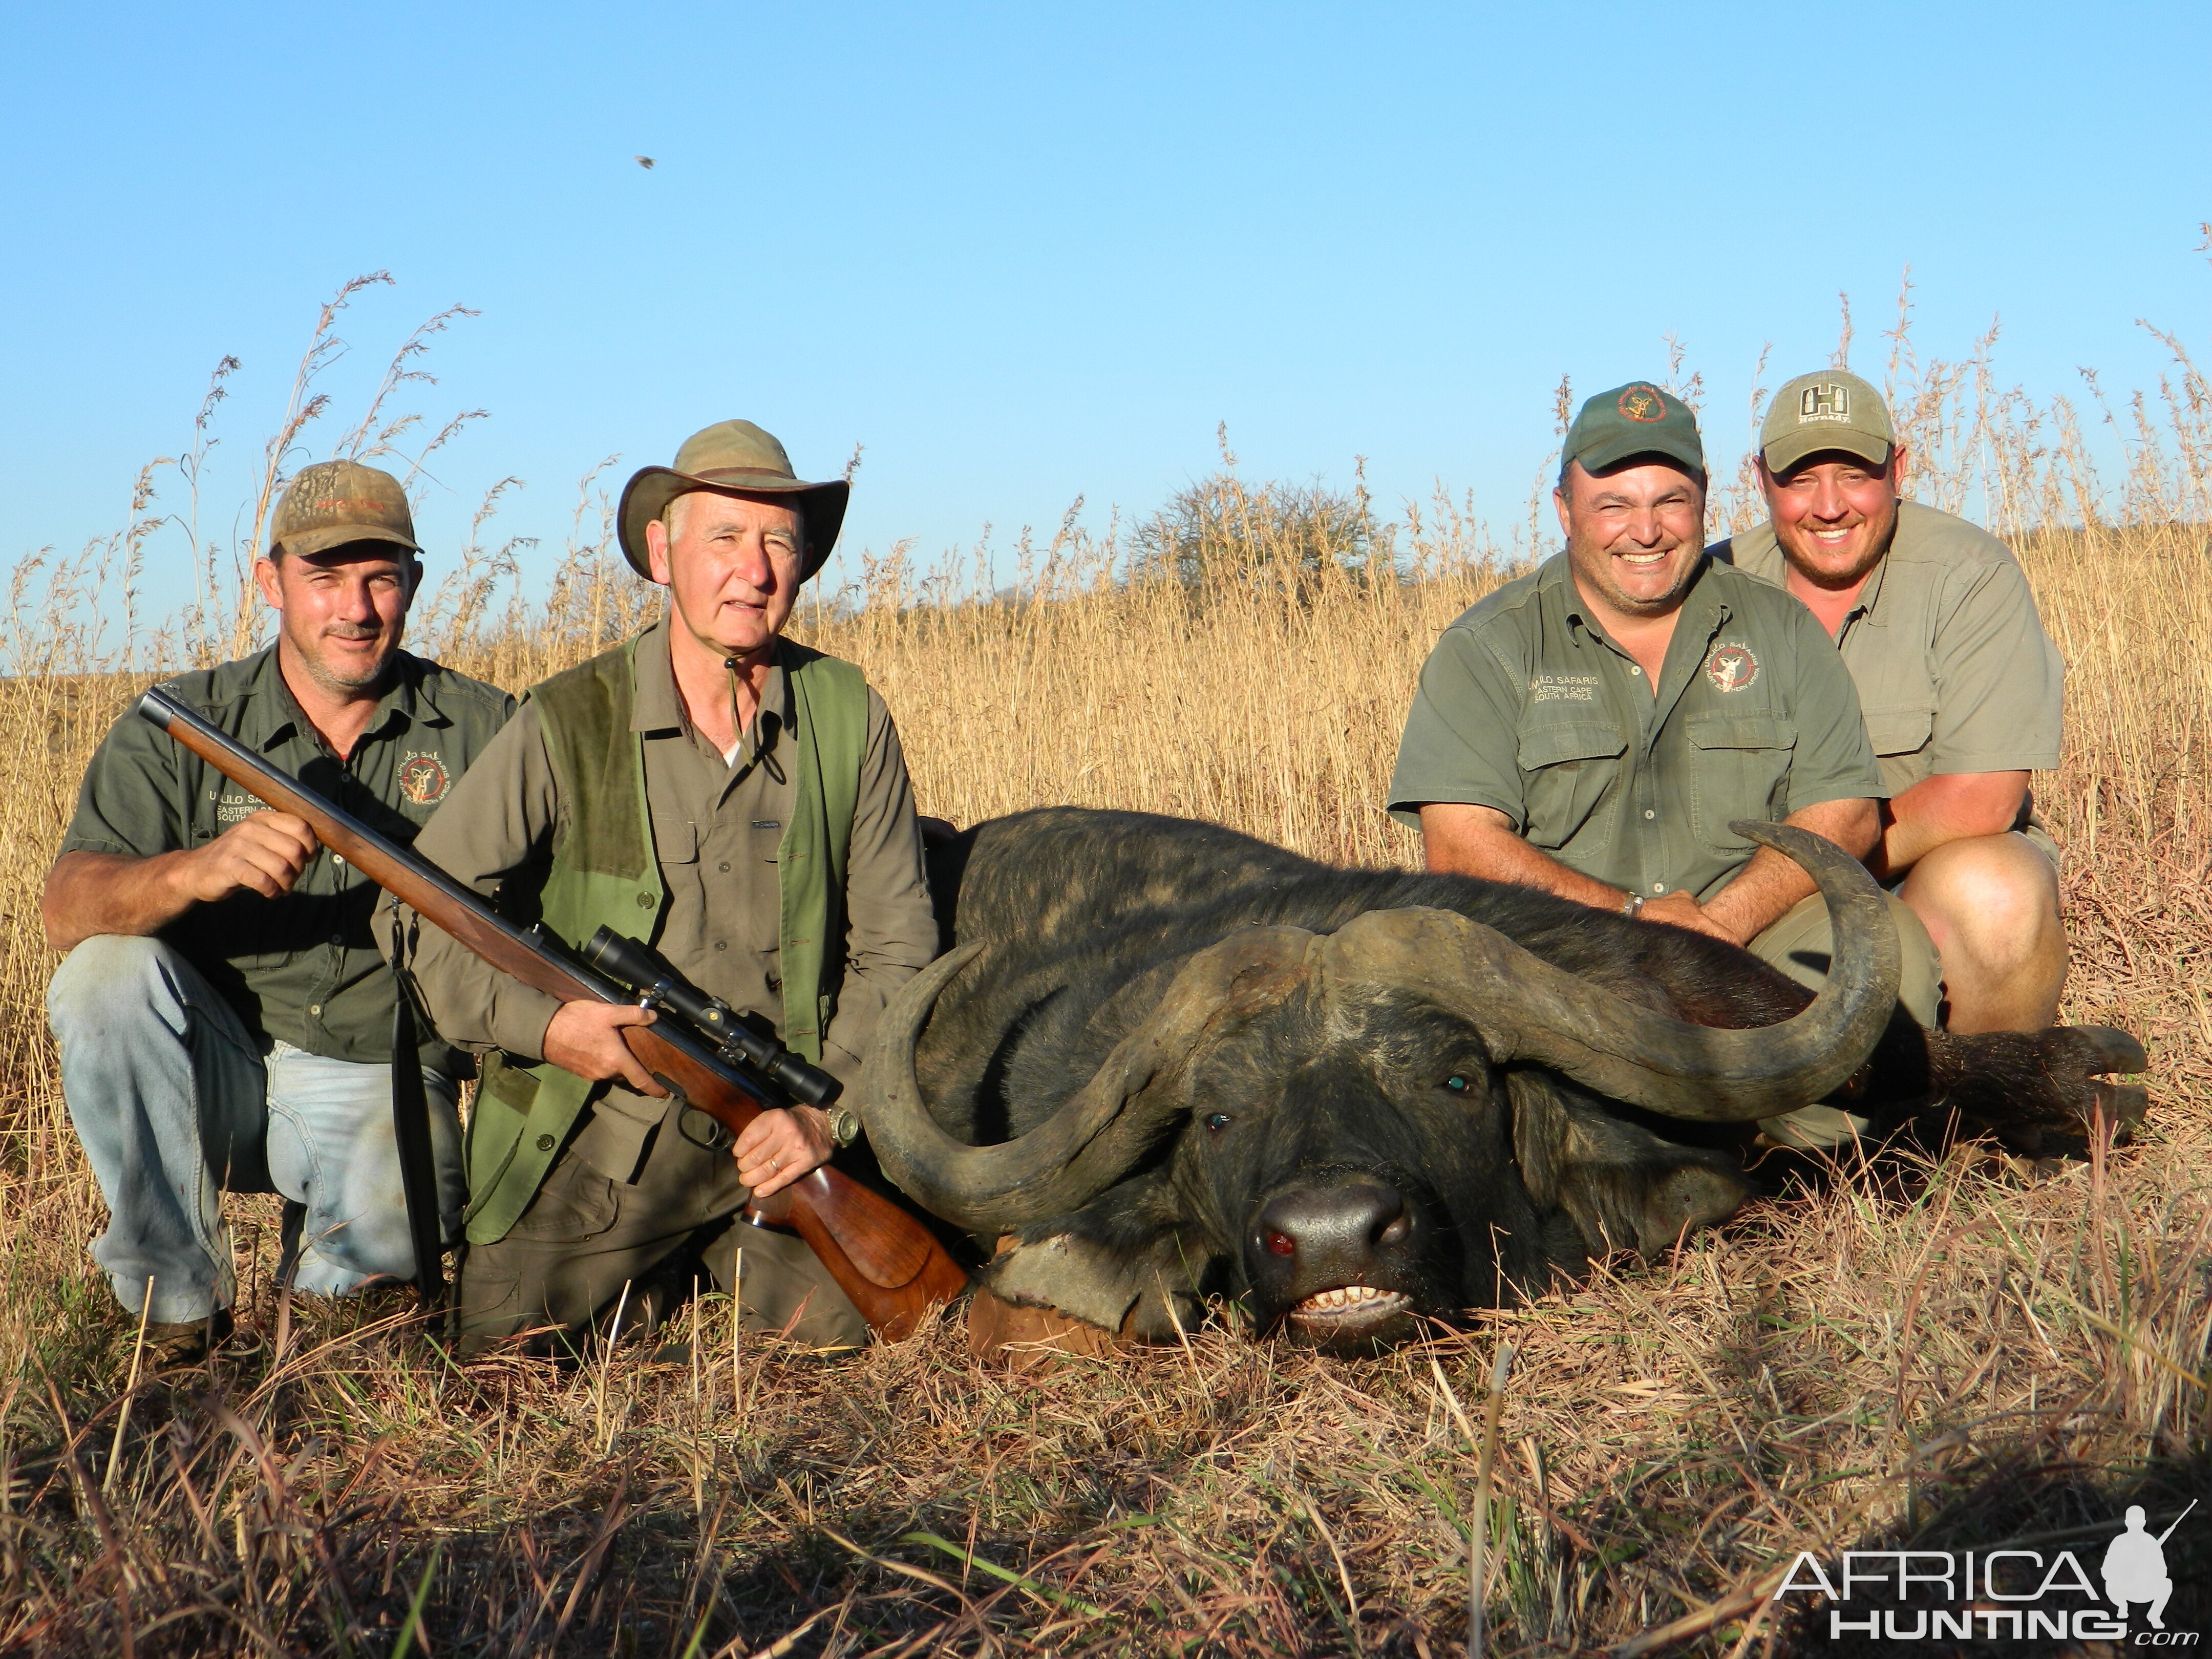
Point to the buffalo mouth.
(1350, 1314)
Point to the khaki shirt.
(716, 826)
(1527, 707)
(1952, 663)
(304, 968)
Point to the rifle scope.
(649, 974)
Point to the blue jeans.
(177, 1104)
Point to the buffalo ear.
(1624, 1186)
(1122, 1262)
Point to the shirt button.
(645, 901)
(337, 938)
(1649, 814)
(1658, 886)
(545, 1143)
(720, 944)
(315, 1010)
(724, 868)
(1633, 669)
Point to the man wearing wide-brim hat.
(741, 803)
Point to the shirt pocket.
(1566, 767)
(1900, 730)
(1741, 766)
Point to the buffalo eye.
(1457, 1085)
(1218, 1121)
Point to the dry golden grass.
(1938, 1353)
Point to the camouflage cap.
(1829, 410)
(1631, 420)
(733, 456)
(334, 502)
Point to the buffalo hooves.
(2112, 1051)
(2122, 1105)
(1002, 1333)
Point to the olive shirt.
(716, 827)
(304, 968)
(1953, 665)
(1527, 707)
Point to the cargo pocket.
(1566, 769)
(1742, 772)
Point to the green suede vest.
(603, 873)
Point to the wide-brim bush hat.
(730, 456)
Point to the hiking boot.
(171, 1345)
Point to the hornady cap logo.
(422, 778)
(1641, 403)
(1825, 401)
(1999, 1595)
(1731, 667)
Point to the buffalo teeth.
(1351, 1299)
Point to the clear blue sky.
(1027, 253)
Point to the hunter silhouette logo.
(2134, 1566)
(1642, 404)
(1999, 1596)
(1731, 667)
(1831, 402)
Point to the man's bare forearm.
(1758, 893)
(1477, 840)
(1949, 806)
(91, 893)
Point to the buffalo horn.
(1101, 1133)
(1528, 1011)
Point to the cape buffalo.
(1177, 1063)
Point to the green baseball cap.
(730, 456)
(334, 502)
(1828, 409)
(1636, 419)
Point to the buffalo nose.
(1348, 1224)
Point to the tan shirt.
(716, 825)
(1952, 664)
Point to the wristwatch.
(1632, 904)
(844, 1125)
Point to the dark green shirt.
(1527, 707)
(305, 968)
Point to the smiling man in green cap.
(740, 802)
(1963, 689)
(1592, 728)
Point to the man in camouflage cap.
(224, 1014)
(1962, 688)
(1592, 728)
(738, 801)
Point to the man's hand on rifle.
(779, 1147)
(586, 1038)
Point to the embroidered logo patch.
(422, 778)
(1830, 402)
(1641, 403)
(1731, 667)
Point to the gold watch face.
(844, 1125)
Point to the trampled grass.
(1950, 1354)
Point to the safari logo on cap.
(1642, 402)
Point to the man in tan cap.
(1962, 690)
(738, 801)
(223, 1012)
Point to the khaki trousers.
(1802, 945)
(588, 1235)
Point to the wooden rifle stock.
(886, 1261)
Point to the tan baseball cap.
(731, 455)
(1829, 410)
(334, 502)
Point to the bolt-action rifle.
(883, 1259)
